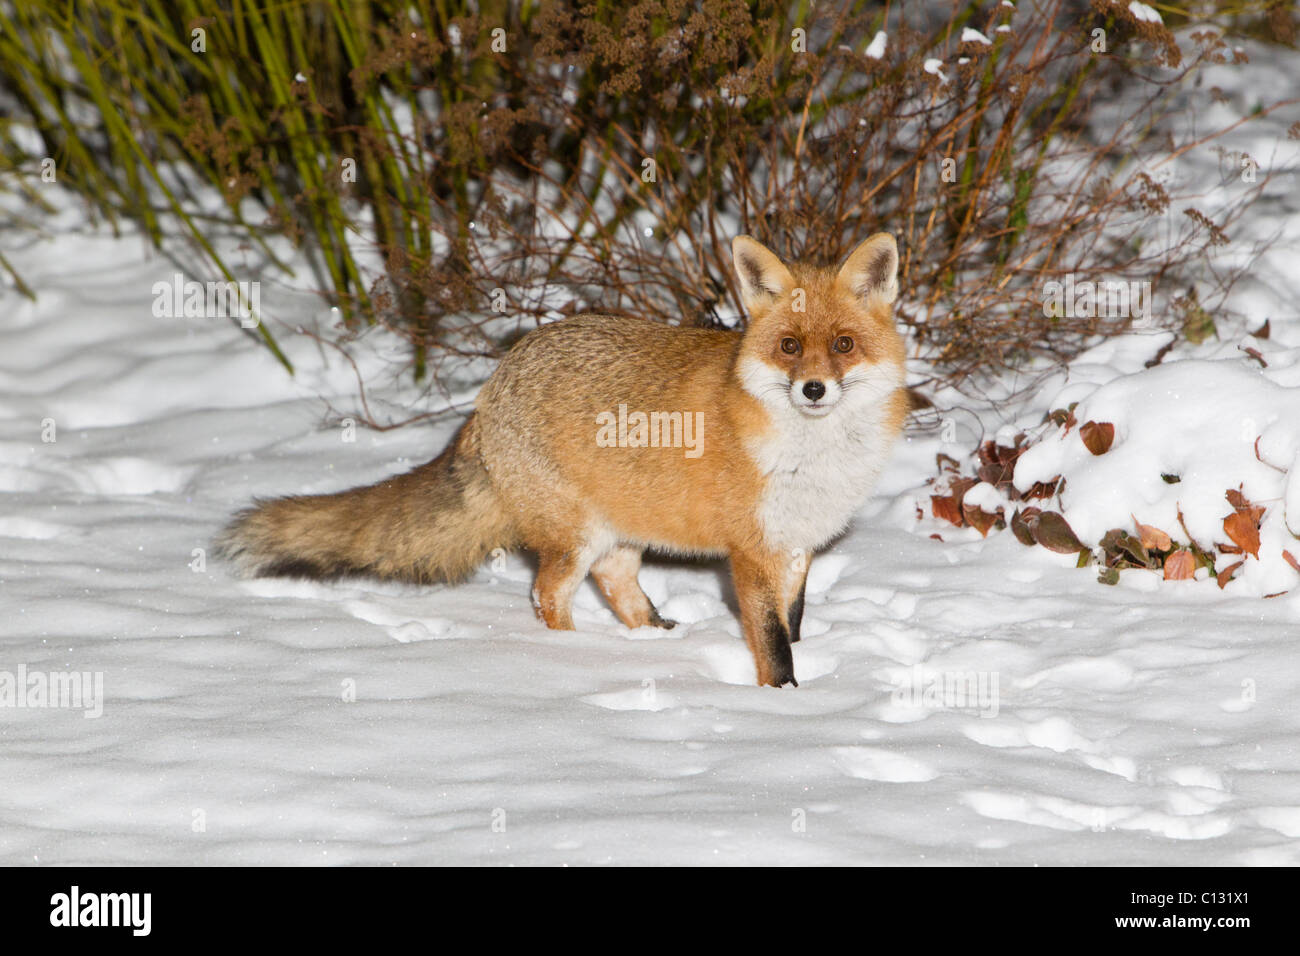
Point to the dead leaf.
(1256, 354)
(1290, 559)
(1054, 533)
(1123, 550)
(1180, 566)
(1063, 417)
(959, 487)
(949, 506)
(1043, 489)
(999, 476)
(1021, 525)
(1224, 576)
(1244, 532)
(1097, 436)
(1241, 504)
(945, 508)
(998, 465)
(979, 519)
(1152, 538)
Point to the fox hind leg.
(561, 567)
(615, 573)
(559, 572)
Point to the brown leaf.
(1054, 533)
(1263, 331)
(1224, 576)
(1180, 566)
(1290, 559)
(1063, 417)
(1241, 503)
(1256, 354)
(1122, 550)
(1244, 532)
(1097, 436)
(959, 487)
(979, 519)
(1043, 489)
(1022, 525)
(1152, 538)
(949, 506)
(946, 508)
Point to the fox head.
(820, 342)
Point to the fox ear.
(763, 276)
(871, 270)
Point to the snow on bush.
(1185, 466)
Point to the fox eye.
(789, 346)
(842, 344)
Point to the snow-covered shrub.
(1191, 468)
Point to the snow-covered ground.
(291, 722)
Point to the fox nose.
(813, 390)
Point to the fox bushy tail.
(436, 523)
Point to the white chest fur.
(819, 471)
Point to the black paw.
(658, 621)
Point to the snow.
(1215, 426)
(876, 49)
(974, 36)
(961, 701)
(1145, 13)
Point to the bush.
(536, 159)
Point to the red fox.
(757, 446)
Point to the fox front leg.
(764, 593)
(796, 580)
